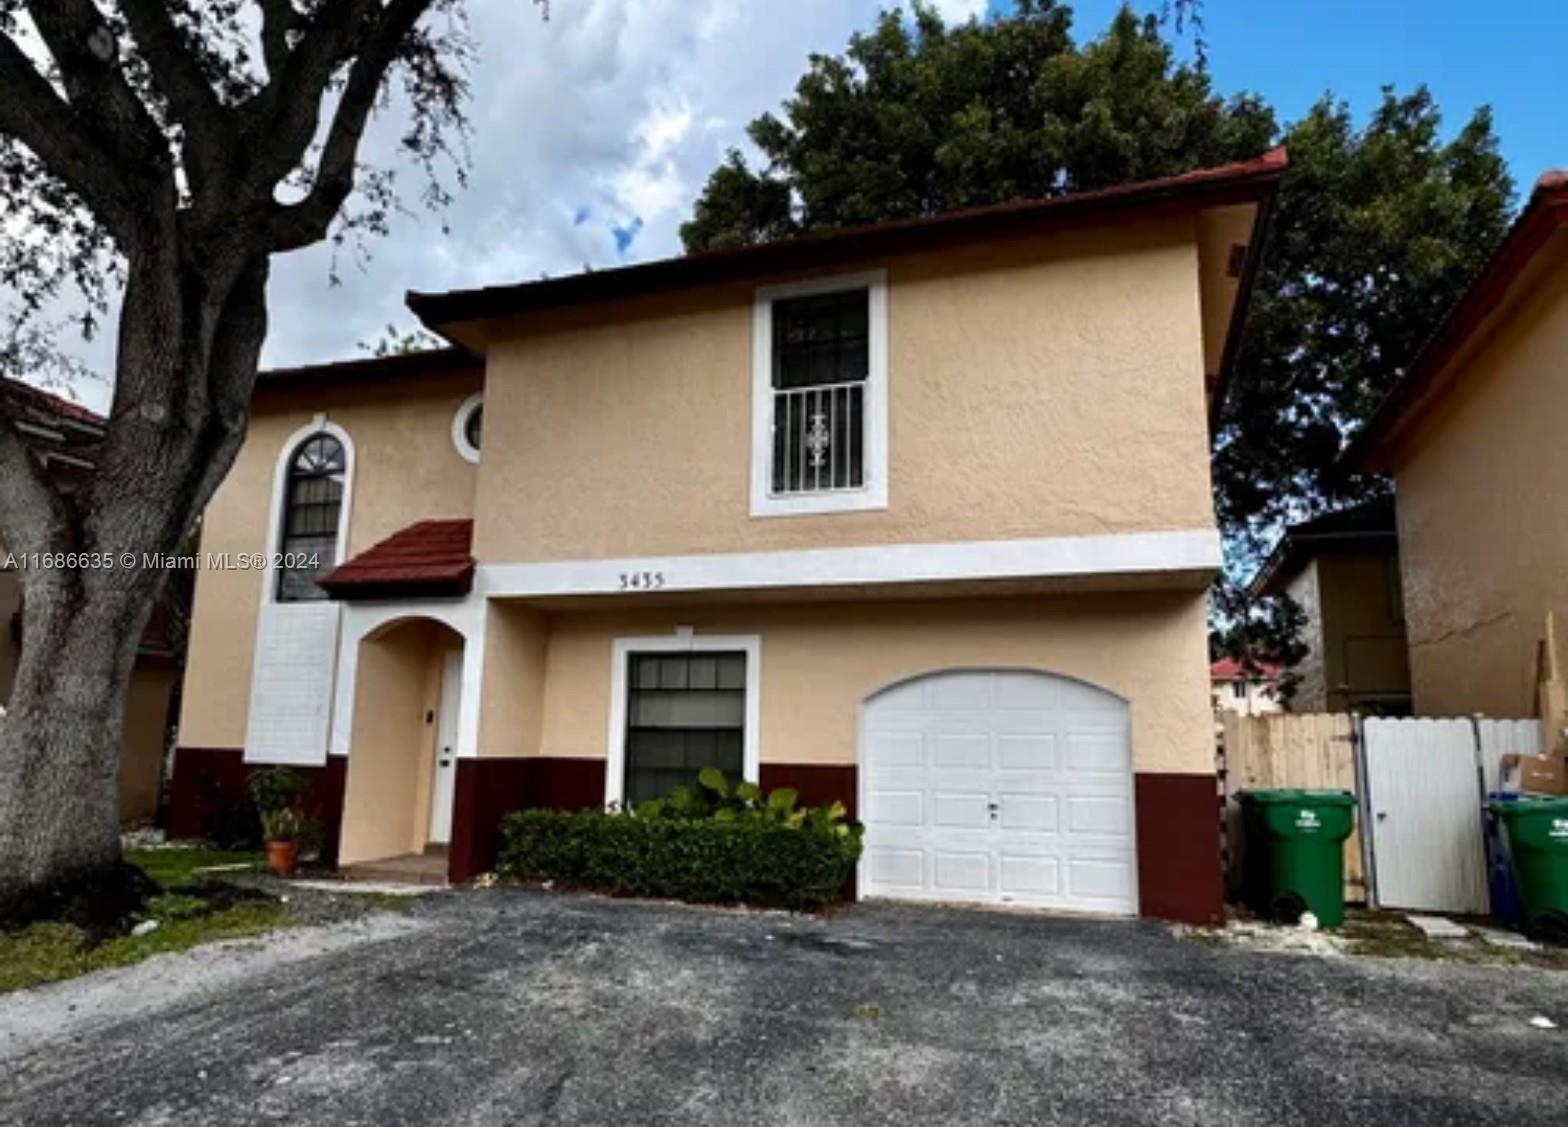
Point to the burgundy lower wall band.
(489, 789)
(204, 779)
(1179, 866)
(209, 787)
(818, 784)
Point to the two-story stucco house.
(915, 516)
(1476, 438)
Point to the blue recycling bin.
(1499, 870)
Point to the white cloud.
(610, 112)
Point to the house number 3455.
(642, 580)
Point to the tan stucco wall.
(406, 469)
(820, 660)
(1356, 646)
(1364, 637)
(386, 803)
(147, 702)
(1482, 490)
(1046, 386)
(511, 706)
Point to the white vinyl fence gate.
(1422, 785)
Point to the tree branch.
(37, 117)
(179, 78)
(86, 50)
(278, 18)
(306, 222)
(284, 115)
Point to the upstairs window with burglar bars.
(821, 361)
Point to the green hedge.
(710, 861)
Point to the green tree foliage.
(918, 117)
(1377, 234)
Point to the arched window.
(312, 503)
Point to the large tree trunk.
(187, 356)
(59, 752)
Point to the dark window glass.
(684, 712)
(821, 360)
(474, 425)
(312, 502)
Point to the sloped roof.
(1231, 669)
(364, 369)
(1244, 181)
(23, 400)
(429, 557)
(1371, 522)
(1542, 218)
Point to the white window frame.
(467, 449)
(682, 641)
(874, 493)
(319, 424)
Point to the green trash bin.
(1536, 829)
(1296, 852)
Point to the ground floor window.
(684, 711)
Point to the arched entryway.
(402, 762)
(998, 787)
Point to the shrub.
(277, 791)
(695, 848)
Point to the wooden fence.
(1283, 749)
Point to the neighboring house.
(1246, 691)
(1342, 569)
(64, 436)
(1475, 436)
(915, 516)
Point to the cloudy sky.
(592, 134)
(594, 131)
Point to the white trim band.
(1127, 553)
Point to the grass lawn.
(189, 912)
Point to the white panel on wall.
(291, 683)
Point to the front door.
(446, 749)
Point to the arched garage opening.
(998, 786)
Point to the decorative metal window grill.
(312, 504)
(684, 712)
(821, 360)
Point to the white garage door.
(998, 788)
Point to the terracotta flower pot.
(282, 857)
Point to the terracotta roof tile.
(429, 557)
(1230, 669)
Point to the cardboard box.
(1536, 774)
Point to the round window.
(468, 427)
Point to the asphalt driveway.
(508, 1007)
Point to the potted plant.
(276, 793)
(282, 828)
